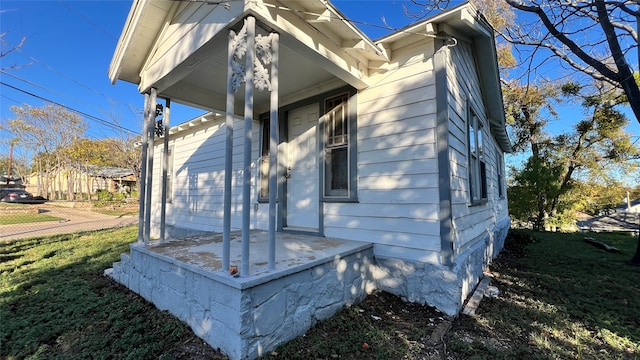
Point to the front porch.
(246, 316)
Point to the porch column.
(165, 167)
(228, 156)
(273, 149)
(150, 151)
(248, 122)
(143, 170)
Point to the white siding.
(397, 172)
(198, 183)
(397, 205)
(470, 221)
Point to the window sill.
(478, 202)
(339, 200)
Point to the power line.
(105, 122)
(88, 21)
(48, 89)
(97, 135)
(133, 110)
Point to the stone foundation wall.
(443, 287)
(282, 310)
(246, 319)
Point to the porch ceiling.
(205, 84)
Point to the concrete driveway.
(74, 220)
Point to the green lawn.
(55, 302)
(560, 299)
(8, 219)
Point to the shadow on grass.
(561, 298)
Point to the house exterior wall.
(477, 229)
(196, 201)
(471, 221)
(397, 206)
(401, 180)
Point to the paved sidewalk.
(74, 220)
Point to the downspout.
(442, 145)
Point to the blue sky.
(69, 45)
(68, 48)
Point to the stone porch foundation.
(246, 317)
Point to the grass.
(8, 219)
(116, 212)
(560, 299)
(55, 302)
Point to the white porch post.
(143, 170)
(243, 44)
(150, 150)
(248, 122)
(228, 157)
(273, 149)
(165, 166)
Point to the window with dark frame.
(336, 147)
(477, 161)
(500, 174)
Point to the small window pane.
(339, 176)
(472, 138)
(336, 146)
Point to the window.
(500, 174)
(338, 181)
(264, 160)
(477, 161)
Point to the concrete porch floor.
(294, 252)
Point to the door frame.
(283, 129)
(282, 181)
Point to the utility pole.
(9, 165)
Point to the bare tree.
(47, 131)
(596, 38)
(6, 49)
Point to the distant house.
(11, 182)
(329, 166)
(629, 206)
(82, 179)
(625, 218)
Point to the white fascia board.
(125, 39)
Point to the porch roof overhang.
(466, 23)
(180, 48)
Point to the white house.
(330, 166)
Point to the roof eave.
(132, 22)
(466, 20)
